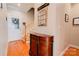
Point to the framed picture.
(15, 21)
(43, 15)
(76, 21)
(66, 17)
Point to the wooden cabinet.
(41, 45)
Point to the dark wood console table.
(41, 44)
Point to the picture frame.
(66, 17)
(15, 21)
(76, 21)
(43, 15)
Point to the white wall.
(16, 34)
(56, 26)
(3, 31)
(74, 29)
(13, 33)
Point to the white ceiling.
(24, 7)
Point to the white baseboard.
(61, 54)
(70, 45)
(75, 46)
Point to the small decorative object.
(24, 40)
(6, 18)
(66, 17)
(24, 23)
(76, 21)
(43, 14)
(15, 21)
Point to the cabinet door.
(42, 47)
(50, 46)
(50, 49)
(33, 45)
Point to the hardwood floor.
(72, 52)
(18, 48)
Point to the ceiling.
(24, 7)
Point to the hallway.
(18, 48)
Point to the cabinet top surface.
(39, 34)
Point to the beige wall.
(74, 29)
(62, 37)
(3, 31)
(30, 23)
(30, 17)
